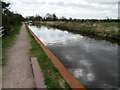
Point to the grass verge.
(8, 41)
(52, 77)
(109, 24)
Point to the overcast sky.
(86, 9)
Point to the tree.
(5, 5)
(54, 17)
(48, 17)
(9, 19)
(70, 19)
(38, 18)
(51, 17)
(63, 19)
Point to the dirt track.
(17, 73)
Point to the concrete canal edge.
(39, 80)
(67, 75)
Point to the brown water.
(93, 62)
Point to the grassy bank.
(109, 24)
(52, 77)
(102, 30)
(8, 41)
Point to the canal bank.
(63, 71)
(93, 62)
(92, 30)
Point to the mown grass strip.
(52, 77)
(8, 41)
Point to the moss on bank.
(52, 77)
(8, 41)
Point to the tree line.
(9, 18)
(54, 17)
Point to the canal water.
(93, 62)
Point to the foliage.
(48, 17)
(54, 17)
(34, 18)
(8, 41)
(9, 19)
(5, 5)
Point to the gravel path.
(17, 73)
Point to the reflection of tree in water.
(38, 26)
(49, 27)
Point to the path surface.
(18, 72)
(0, 77)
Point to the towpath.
(17, 73)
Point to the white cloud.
(67, 8)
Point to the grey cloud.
(34, 7)
(89, 6)
(108, 3)
(100, 1)
(57, 3)
(33, 3)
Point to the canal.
(93, 62)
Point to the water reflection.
(94, 63)
(52, 36)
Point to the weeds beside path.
(8, 41)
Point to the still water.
(93, 62)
